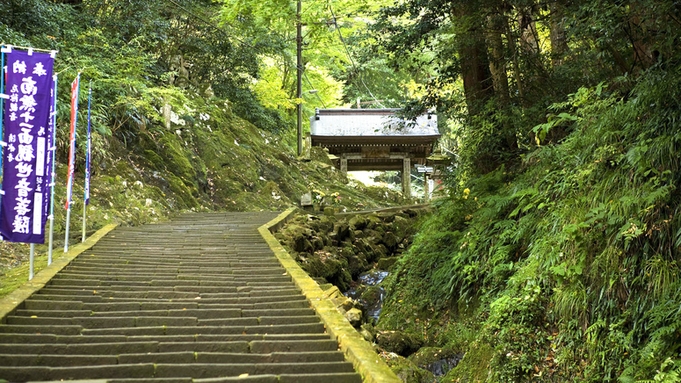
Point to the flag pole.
(2, 114)
(53, 173)
(31, 267)
(75, 87)
(86, 189)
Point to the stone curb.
(357, 350)
(12, 301)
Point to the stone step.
(157, 292)
(172, 370)
(98, 303)
(103, 322)
(39, 336)
(67, 326)
(30, 329)
(126, 326)
(95, 283)
(129, 308)
(183, 357)
(283, 378)
(200, 299)
(38, 345)
(160, 296)
(228, 278)
(126, 265)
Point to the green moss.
(178, 163)
(400, 342)
(407, 371)
(184, 196)
(155, 160)
(474, 367)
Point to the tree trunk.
(497, 63)
(528, 32)
(641, 32)
(557, 34)
(477, 79)
(500, 145)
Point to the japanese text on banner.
(26, 118)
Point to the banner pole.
(66, 235)
(2, 116)
(31, 267)
(53, 172)
(75, 90)
(86, 188)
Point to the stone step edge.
(193, 356)
(265, 378)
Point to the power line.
(310, 83)
(209, 23)
(347, 52)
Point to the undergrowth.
(568, 268)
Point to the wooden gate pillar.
(426, 187)
(406, 177)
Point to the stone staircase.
(199, 299)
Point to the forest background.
(555, 254)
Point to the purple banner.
(25, 158)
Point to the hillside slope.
(565, 269)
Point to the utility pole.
(299, 92)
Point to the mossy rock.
(438, 360)
(357, 264)
(386, 263)
(401, 343)
(474, 367)
(343, 232)
(390, 240)
(401, 226)
(331, 268)
(371, 295)
(407, 371)
(302, 245)
(317, 243)
(325, 224)
(374, 221)
(359, 222)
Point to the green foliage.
(669, 372)
(572, 262)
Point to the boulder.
(354, 316)
(401, 343)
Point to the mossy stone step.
(285, 329)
